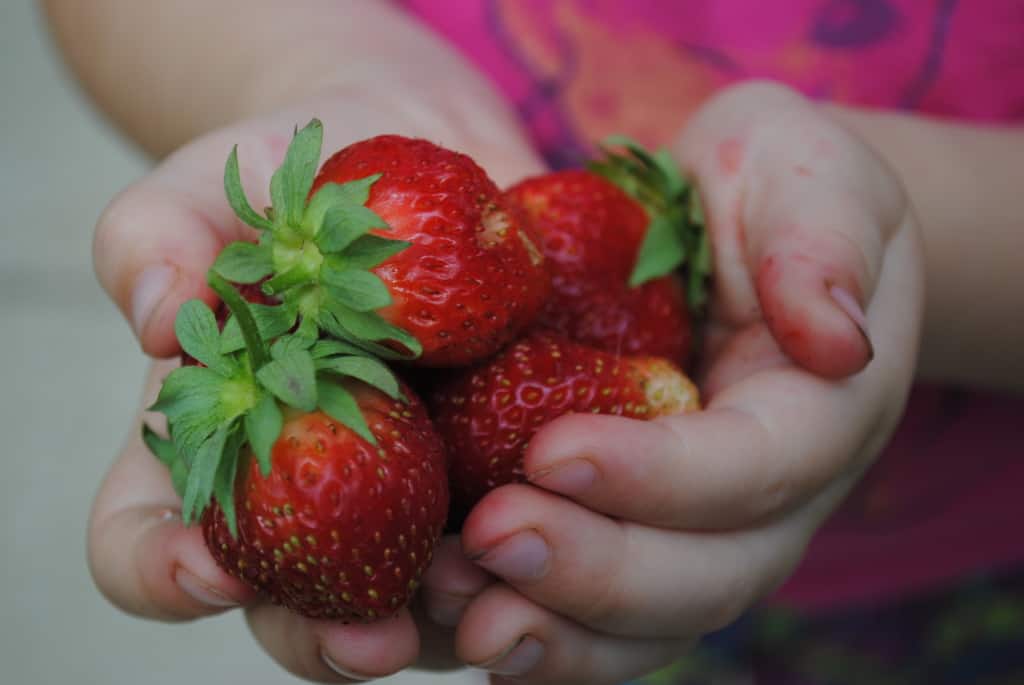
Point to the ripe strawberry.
(590, 231)
(348, 478)
(399, 246)
(340, 528)
(488, 414)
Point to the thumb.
(155, 241)
(812, 285)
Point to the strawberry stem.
(257, 349)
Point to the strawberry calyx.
(235, 398)
(318, 253)
(676, 238)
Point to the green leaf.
(368, 251)
(338, 403)
(179, 477)
(328, 322)
(362, 327)
(202, 473)
(661, 252)
(292, 379)
(196, 329)
(236, 195)
(330, 348)
(366, 369)
(271, 321)
(190, 397)
(241, 310)
(345, 223)
(263, 426)
(362, 291)
(290, 344)
(162, 448)
(224, 479)
(243, 262)
(352, 193)
(292, 181)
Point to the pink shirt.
(945, 499)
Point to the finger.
(155, 240)
(509, 636)
(799, 213)
(622, 578)
(332, 652)
(450, 583)
(142, 558)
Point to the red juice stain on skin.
(802, 170)
(277, 145)
(730, 156)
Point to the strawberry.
(488, 414)
(590, 232)
(612, 237)
(305, 439)
(398, 246)
(340, 528)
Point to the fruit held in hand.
(340, 528)
(590, 231)
(397, 245)
(488, 414)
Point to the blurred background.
(71, 373)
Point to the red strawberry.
(340, 528)
(590, 232)
(488, 414)
(398, 245)
(318, 476)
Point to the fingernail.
(570, 478)
(521, 557)
(517, 660)
(150, 288)
(851, 307)
(341, 670)
(443, 608)
(200, 591)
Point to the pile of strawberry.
(296, 430)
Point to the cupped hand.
(634, 538)
(153, 246)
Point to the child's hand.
(638, 537)
(153, 247)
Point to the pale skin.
(824, 221)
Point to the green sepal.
(676, 238)
(263, 426)
(338, 403)
(292, 379)
(330, 348)
(289, 344)
(202, 473)
(290, 184)
(196, 329)
(224, 480)
(330, 195)
(236, 195)
(369, 251)
(343, 224)
(190, 397)
(660, 253)
(360, 290)
(168, 454)
(272, 321)
(366, 369)
(243, 262)
(238, 307)
(367, 330)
